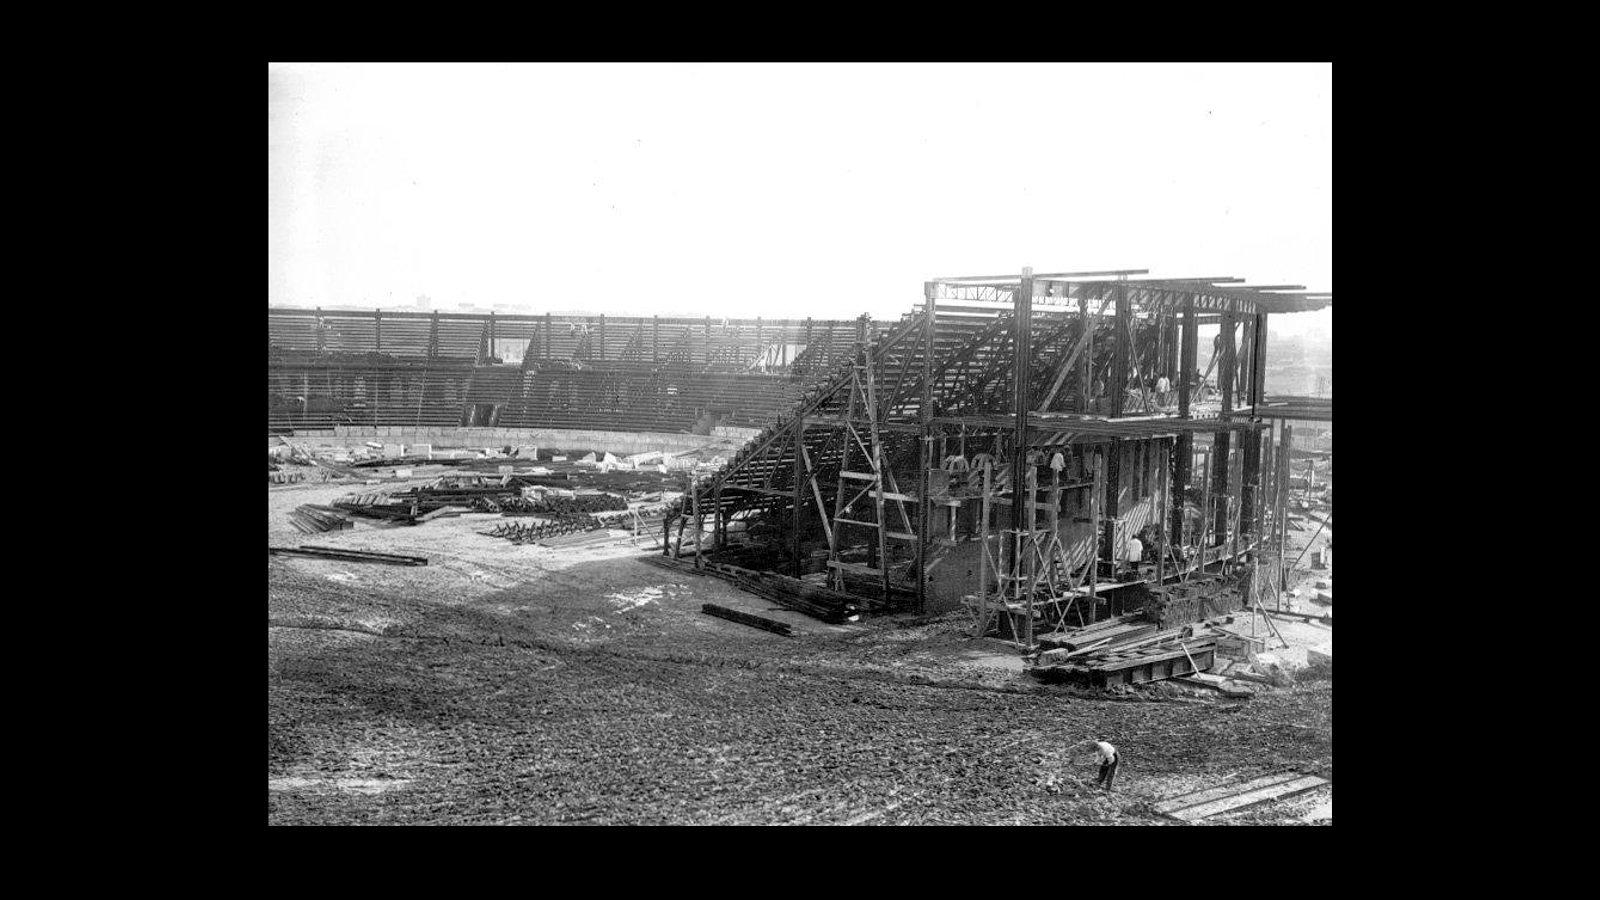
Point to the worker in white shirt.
(1106, 754)
(1135, 552)
(1163, 391)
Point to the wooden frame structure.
(440, 370)
(1067, 398)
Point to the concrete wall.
(621, 442)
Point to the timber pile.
(744, 618)
(404, 461)
(1192, 601)
(556, 506)
(1170, 653)
(349, 555)
(444, 497)
(1105, 633)
(826, 604)
(309, 519)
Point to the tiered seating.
(627, 374)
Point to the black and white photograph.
(829, 443)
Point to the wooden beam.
(1121, 352)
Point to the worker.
(1135, 552)
(1164, 391)
(1107, 755)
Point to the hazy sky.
(786, 190)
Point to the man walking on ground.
(1109, 759)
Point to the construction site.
(532, 568)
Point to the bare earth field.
(507, 684)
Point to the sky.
(786, 191)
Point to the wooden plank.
(1196, 798)
(744, 618)
(1251, 798)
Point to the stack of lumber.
(790, 593)
(1169, 653)
(310, 519)
(1193, 601)
(421, 504)
(1105, 633)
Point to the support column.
(1113, 505)
(1184, 454)
(1250, 478)
(924, 515)
(1086, 365)
(1226, 369)
(1021, 517)
(1258, 362)
(1170, 363)
(799, 488)
(1122, 352)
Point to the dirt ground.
(506, 684)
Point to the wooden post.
(699, 520)
(1283, 500)
(1086, 364)
(1171, 364)
(1121, 351)
(799, 486)
(1207, 504)
(1162, 478)
(1250, 480)
(719, 525)
(1094, 527)
(983, 551)
(924, 511)
(1022, 334)
(1220, 440)
(1183, 457)
(1258, 363)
